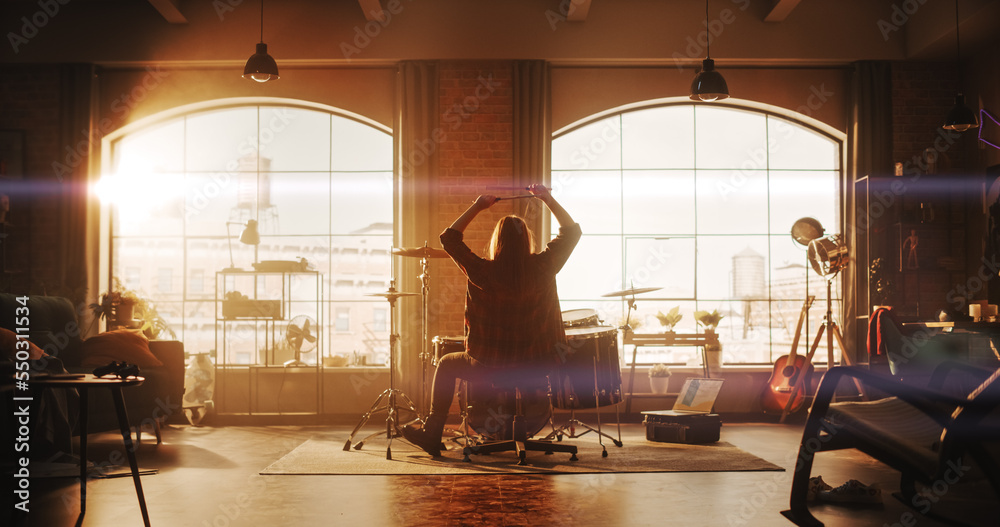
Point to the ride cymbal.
(420, 252)
(632, 291)
(392, 294)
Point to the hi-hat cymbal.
(392, 294)
(421, 252)
(632, 291)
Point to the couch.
(54, 327)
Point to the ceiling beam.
(373, 10)
(780, 10)
(578, 10)
(168, 10)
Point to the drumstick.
(507, 189)
(515, 197)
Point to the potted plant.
(125, 308)
(713, 349)
(118, 306)
(709, 320)
(659, 375)
(670, 319)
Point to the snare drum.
(446, 345)
(588, 365)
(579, 318)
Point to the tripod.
(832, 330)
(388, 400)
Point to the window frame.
(767, 111)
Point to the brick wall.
(29, 97)
(922, 94)
(475, 101)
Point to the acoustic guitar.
(789, 370)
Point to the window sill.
(726, 368)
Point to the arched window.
(699, 200)
(318, 181)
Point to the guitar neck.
(793, 355)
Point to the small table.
(83, 385)
(665, 339)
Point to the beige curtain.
(417, 134)
(532, 137)
(869, 154)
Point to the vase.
(123, 315)
(713, 357)
(199, 385)
(659, 384)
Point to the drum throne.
(515, 382)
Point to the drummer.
(512, 316)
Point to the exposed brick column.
(29, 96)
(477, 150)
(922, 94)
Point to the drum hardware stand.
(390, 396)
(462, 433)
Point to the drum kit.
(588, 377)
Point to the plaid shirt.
(510, 328)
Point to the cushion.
(8, 342)
(126, 345)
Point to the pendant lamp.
(960, 118)
(708, 85)
(261, 66)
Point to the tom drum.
(446, 345)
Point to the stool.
(519, 443)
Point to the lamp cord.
(958, 40)
(708, 34)
(262, 20)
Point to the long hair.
(510, 247)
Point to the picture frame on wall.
(11, 154)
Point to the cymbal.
(392, 294)
(421, 252)
(632, 291)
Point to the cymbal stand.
(388, 400)
(626, 329)
(425, 355)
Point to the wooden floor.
(208, 477)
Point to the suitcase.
(669, 426)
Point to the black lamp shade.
(250, 235)
(261, 66)
(960, 118)
(709, 85)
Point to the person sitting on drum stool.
(512, 315)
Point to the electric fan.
(301, 337)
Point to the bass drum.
(491, 411)
(589, 365)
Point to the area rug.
(326, 456)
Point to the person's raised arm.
(482, 203)
(542, 193)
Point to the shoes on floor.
(816, 485)
(852, 492)
(422, 439)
